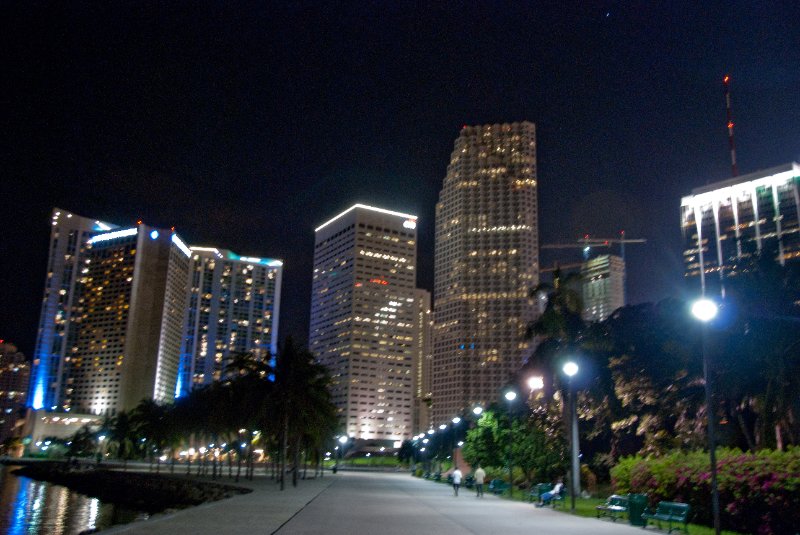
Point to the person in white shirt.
(456, 480)
(548, 496)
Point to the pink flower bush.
(759, 492)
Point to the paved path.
(369, 502)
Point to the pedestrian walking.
(456, 480)
(480, 476)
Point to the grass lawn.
(586, 507)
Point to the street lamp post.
(570, 369)
(455, 421)
(705, 310)
(340, 447)
(510, 397)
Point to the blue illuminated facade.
(232, 307)
(58, 321)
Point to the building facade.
(726, 222)
(60, 318)
(233, 306)
(363, 318)
(603, 286)
(486, 262)
(132, 308)
(14, 380)
(423, 357)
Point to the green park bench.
(498, 486)
(537, 490)
(671, 513)
(615, 507)
(540, 488)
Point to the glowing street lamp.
(510, 396)
(477, 411)
(342, 440)
(570, 370)
(535, 382)
(706, 310)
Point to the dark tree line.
(286, 411)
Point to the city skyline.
(630, 117)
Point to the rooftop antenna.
(726, 83)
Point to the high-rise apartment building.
(363, 318)
(59, 319)
(725, 222)
(132, 311)
(603, 286)
(232, 308)
(14, 378)
(422, 361)
(486, 263)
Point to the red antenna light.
(729, 113)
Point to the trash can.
(637, 503)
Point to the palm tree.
(121, 437)
(302, 401)
(149, 420)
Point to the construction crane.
(587, 243)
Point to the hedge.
(759, 492)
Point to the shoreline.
(144, 491)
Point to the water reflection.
(30, 507)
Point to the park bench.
(615, 507)
(559, 498)
(498, 486)
(669, 512)
(540, 488)
(537, 490)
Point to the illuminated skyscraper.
(726, 222)
(14, 378)
(423, 345)
(363, 318)
(59, 321)
(603, 285)
(486, 262)
(233, 308)
(131, 320)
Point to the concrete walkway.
(359, 502)
(264, 510)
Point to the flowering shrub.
(758, 492)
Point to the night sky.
(246, 125)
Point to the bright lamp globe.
(704, 309)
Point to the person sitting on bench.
(547, 497)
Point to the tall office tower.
(14, 378)
(131, 324)
(486, 262)
(725, 222)
(422, 361)
(233, 308)
(603, 286)
(363, 318)
(59, 321)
